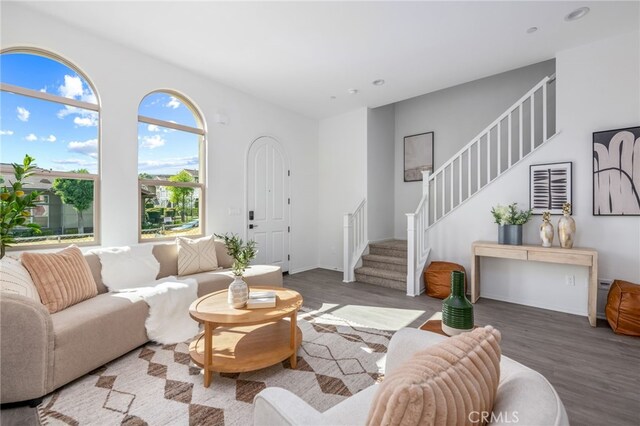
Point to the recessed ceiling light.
(332, 97)
(378, 82)
(353, 91)
(532, 30)
(577, 14)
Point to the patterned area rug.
(158, 385)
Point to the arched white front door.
(268, 201)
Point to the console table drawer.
(501, 252)
(566, 258)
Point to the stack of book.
(261, 299)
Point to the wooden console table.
(574, 256)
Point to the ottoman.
(623, 308)
(437, 278)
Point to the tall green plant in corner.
(15, 205)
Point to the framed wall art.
(616, 172)
(418, 156)
(550, 187)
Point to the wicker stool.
(623, 308)
(437, 278)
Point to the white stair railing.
(515, 134)
(417, 249)
(355, 239)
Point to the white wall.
(380, 172)
(455, 115)
(598, 88)
(342, 180)
(123, 77)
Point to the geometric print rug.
(158, 385)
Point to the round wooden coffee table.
(239, 340)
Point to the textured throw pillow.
(14, 278)
(445, 384)
(128, 267)
(62, 279)
(196, 255)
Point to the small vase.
(510, 234)
(566, 228)
(238, 293)
(546, 231)
(457, 311)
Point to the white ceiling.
(298, 54)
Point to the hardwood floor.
(595, 372)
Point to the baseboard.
(534, 305)
(330, 268)
(303, 269)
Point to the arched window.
(50, 112)
(171, 147)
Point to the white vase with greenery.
(242, 254)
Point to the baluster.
(509, 140)
(520, 130)
(478, 143)
(544, 112)
(469, 171)
(443, 191)
(499, 149)
(451, 174)
(488, 156)
(460, 179)
(533, 122)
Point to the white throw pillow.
(14, 278)
(128, 267)
(196, 255)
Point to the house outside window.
(50, 111)
(171, 147)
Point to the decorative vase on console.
(566, 227)
(457, 311)
(242, 254)
(546, 230)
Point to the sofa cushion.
(265, 275)
(62, 279)
(196, 255)
(128, 267)
(94, 332)
(167, 255)
(442, 384)
(14, 278)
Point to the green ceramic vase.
(457, 311)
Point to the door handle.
(251, 226)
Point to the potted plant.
(242, 255)
(15, 204)
(510, 221)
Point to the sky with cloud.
(65, 138)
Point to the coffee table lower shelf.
(247, 348)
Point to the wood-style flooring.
(595, 372)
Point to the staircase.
(385, 265)
(514, 135)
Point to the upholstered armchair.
(524, 396)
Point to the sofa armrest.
(405, 343)
(276, 407)
(26, 349)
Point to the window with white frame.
(171, 146)
(49, 111)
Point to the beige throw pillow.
(62, 279)
(196, 255)
(445, 384)
(14, 278)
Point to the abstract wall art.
(549, 187)
(418, 156)
(616, 172)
